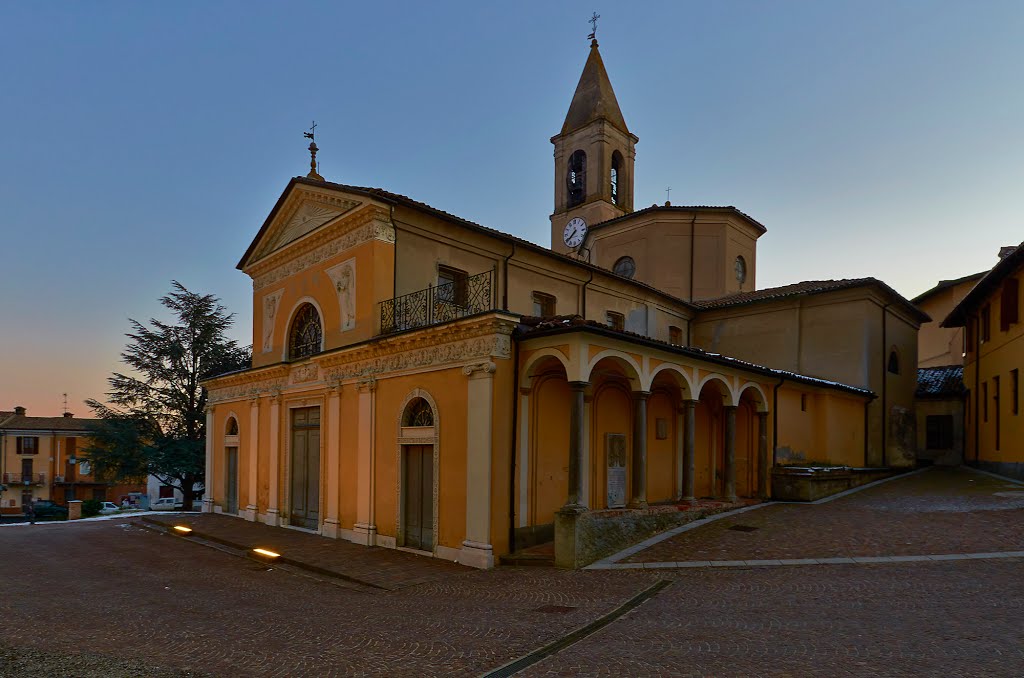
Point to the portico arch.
(714, 396)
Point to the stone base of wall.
(814, 483)
(1010, 469)
(582, 538)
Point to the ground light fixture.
(266, 553)
(181, 529)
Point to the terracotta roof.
(938, 382)
(988, 284)
(944, 284)
(594, 98)
(5, 415)
(685, 208)
(24, 423)
(531, 326)
(806, 288)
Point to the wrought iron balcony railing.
(438, 304)
(25, 478)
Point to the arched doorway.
(709, 452)
(305, 468)
(231, 466)
(417, 501)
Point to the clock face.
(741, 270)
(574, 232)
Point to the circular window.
(741, 270)
(625, 267)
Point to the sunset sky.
(145, 142)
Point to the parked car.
(109, 507)
(48, 510)
(166, 504)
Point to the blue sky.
(144, 142)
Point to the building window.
(576, 179)
(232, 428)
(995, 404)
(418, 413)
(625, 266)
(452, 286)
(1009, 304)
(894, 362)
(803, 402)
(675, 335)
(543, 305)
(614, 320)
(1015, 393)
(616, 173)
(939, 431)
(986, 318)
(307, 334)
(27, 444)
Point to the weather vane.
(311, 135)
(593, 22)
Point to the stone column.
(476, 549)
(680, 436)
(254, 453)
(689, 442)
(274, 479)
(763, 469)
(639, 471)
(365, 530)
(523, 510)
(576, 439)
(208, 478)
(333, 461)
(586, 468)
(730, 452)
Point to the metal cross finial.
(313, 164)
(668, 193)
(593, 22)
(311, 134)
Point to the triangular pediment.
(302, 213)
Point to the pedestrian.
(30, 510)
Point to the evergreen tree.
(154, 421)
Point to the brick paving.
(112, 599)
(387, 568)
(939, 511)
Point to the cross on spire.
(593, 22)
(311, 134)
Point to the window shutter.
(20, 445)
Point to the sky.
(142, 143)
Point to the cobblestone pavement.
(943, 510)
(387, 568)
(109, 598)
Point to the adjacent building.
(424, 382)
(43, 458)
(990, 318)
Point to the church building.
(420, 381)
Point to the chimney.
(19, 410)
(68, 415)
(1006, 251)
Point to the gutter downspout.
(504, 286)
(885, 381)
(583, 301)
(515, 447)
(867, 413)
(775, 421)
(977, 391)
(693, 244)
(394, 263)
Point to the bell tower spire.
(594, 153)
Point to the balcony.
(438, 304)
(24, 478)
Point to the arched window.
(894, 362)
(576, 178)
(616, 173)
(306, 333)
(232, 427)
(418, 413)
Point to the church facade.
(420, 381)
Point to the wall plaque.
(615, 453)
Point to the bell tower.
(594, 155)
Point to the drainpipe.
(513, 455)
(867, 410)
(394, 266)
(504, 287)
(583, 302)
(775, 421)
(977, 390)
(885, 381)
(693, 243)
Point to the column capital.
(729, 407)
(762, 415)
(578, 385)
(687, 404)
(334, 387)
(368, 385)
(254, 399)
(525, 390)
(478, 370)
(641, 395)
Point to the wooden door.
(26, 470)
(231, 480)
(305, 468)
(418, 499)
